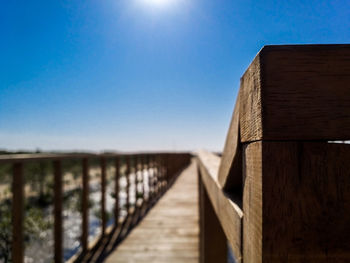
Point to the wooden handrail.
(228, 210)
(278, 167)
(177, 161)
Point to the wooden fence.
(281, 191)
(165, 166)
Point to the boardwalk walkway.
(170, 231)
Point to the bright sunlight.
(157, 3)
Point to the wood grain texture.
(298, 92)
(170, 231)
(250, 102)
(252, 203)
(230, 170)
(296, 202)
(212, 242)
(227, 209)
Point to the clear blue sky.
(136, 74)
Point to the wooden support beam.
(103, 195)
(212, 241)
(116, 190)
(226, 208)
(85, 206)
(17, 213)
(296, 202)
(297, 92)
(127, 177)
(58, 222)
(230, 171)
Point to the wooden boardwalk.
(170, 231)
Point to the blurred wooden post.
(144, 168)
(160, 175)
(85, 206)
(116, 189)
(127, 174)
(140, 182)
(213, 242)
(58, 227)
(154, 193)
(103, 195)
(17, 213)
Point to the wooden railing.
(281, 190)
(165, 167)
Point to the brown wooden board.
(297, 92)
(230, 170)
(227, 209)
(212, 242)
(296, 202)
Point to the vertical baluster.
(164, 167)
(141, 178)
(85, 206)
(17, 214)
(161, 176)
(149, 178)
(58, 226)
(103, 194)
(151, 171)
(158, 175)
(116, 189)
(155, 178)
(136, 179)
(127, 174)
(144, 169)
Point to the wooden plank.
(298, 92)
(230, 170)
(296, 202)
(212, 242)
(85, 205)
(58, 222)
(170, 231)
(252, 203)
(227, 209)
(17, 213)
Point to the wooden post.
(103, 194)
(144, 168)
(85, 206)
(58, 227)
(116, 189)
(295, 192)
(17, 213)
(127, 174)
(140, 182)
(213, 242)
(296, 202)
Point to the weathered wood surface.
(213, 242)
(296, 202)
(170, 231)
(297, 92)
(230, 170)
(227, 208)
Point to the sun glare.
(157, 3)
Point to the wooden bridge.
(280, 192)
